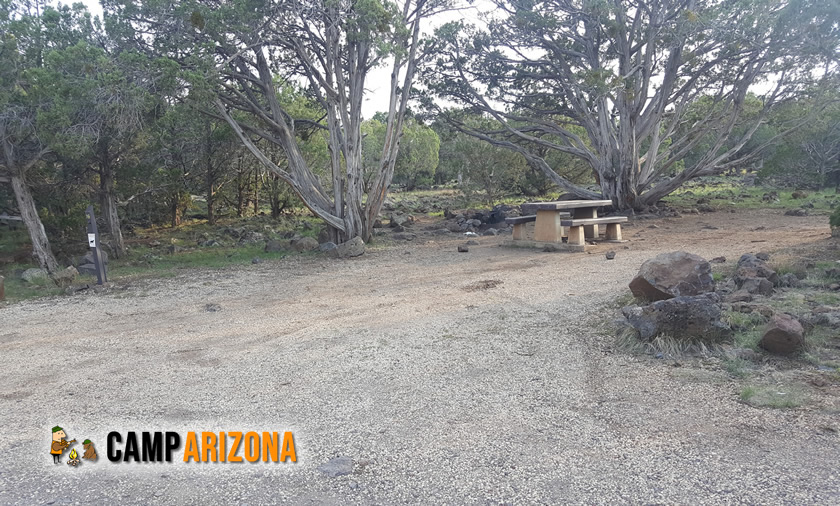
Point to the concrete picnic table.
(579, 216)
(549, 228)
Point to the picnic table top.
(567, 204)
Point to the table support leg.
(613, 232)
(547, 227)
(591, 231)
(576, 236)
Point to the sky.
(378, 82)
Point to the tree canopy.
(628, 73)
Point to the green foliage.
(637, 112)
(810, 155)
(484, 171)
(488, 170)
(417, 159)
(834, 219)
(726, 192)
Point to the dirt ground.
(480, 377)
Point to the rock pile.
(688, 305)
(685, 305)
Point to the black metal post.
(93, 242)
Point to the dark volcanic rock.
(783, 335)
(685, 317)
(671, 275)
(754, 276)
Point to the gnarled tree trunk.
(29, 214)
(108, 204)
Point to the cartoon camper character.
(58, 443)
(90, 451)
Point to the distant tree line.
(233, 108)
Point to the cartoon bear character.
(90, 452)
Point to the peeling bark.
(108, 205)
(29, 213)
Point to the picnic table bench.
(580, 217)
(577, 234)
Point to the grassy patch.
(159, 263)
(623, 300)
(13, 239)
(723, 193)
(825, 298)
(747, 327)
(747, 321)
(18, 289)
(788, 266)
(819, 337)
(737, 367)
(792, 302)
(748, 339)
(628, 341)
(773, 396)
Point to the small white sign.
(92, 240)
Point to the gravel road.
(441, 387)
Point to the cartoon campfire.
(74, 458)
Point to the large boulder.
(752, 266)
(352, 248)
(327, 246)
(401, 220)
(499, 213)
(754, 276)
(685, 317)
(672, 275)
(756, 286)
(304, 244)
(783, 336)
(34, 275)
(87, 258)
(87, 269)
(65, 278)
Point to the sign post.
(93, 243)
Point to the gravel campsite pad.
(430, 377)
